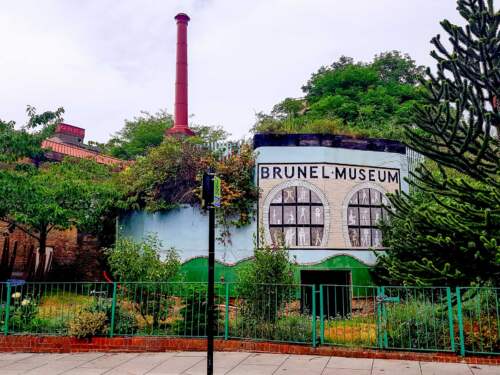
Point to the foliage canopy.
(39, 196)
(170, 175)
(355, 98)
(143, 261)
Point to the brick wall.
(363, 306)
(62, 344)
(75, 255)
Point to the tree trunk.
(40, 269)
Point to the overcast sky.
(106, 60)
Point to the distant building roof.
(68, 141)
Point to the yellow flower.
(25, 302)
(16, 295)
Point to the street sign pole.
(211, 199)
(211, 268)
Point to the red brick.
(56, 344)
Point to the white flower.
(16, 295)
(25, 302)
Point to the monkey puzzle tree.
(449, 232)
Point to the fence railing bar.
(464, 320)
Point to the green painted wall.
(197, 269)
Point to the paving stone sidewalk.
(225, 363)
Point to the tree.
(139, 134)
(17, 144)
(449, 231)
(440, 240)
(58, 196)
(459, 120)
(147, 131)
(289, 107)
(393, 66)
(355, 98)
(38, 196)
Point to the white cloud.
(104, 61)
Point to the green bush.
(88, 324)
(125, 321)
(144, 261)
(194, 313)
(295, 328)
(145, 264)
(417, 324)
(266, 284)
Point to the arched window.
(295, 215)
(364, 212)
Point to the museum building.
(322, 195)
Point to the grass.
(355, 331)
(62, 304)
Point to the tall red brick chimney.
(181, 126)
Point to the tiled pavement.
(232, 363)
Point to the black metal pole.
(211, 268)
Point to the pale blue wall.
(186, 228)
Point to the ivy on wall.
(170, 175)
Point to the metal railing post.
(380, 333)
(313, 316)
(450, 319)
(384, 317)
(226, 317)
(7, 311)
(113, 309)
(321, 316)
(460, 322)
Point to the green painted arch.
(196, 269)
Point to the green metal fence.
(348, 315)
(477, 314)
(416, 319)
(462, 320)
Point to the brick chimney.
(181, 126)
(67, 133)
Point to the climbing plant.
(170, 175)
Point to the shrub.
(266, 284)
(125, 320)
(193, 313)
(297, 328)
(417, 324)
(88, 324)
(145, 263)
